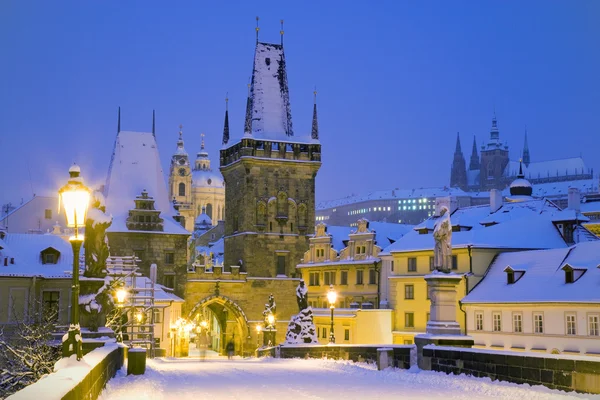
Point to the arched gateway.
(226, 321)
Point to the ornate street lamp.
(75, 198)
(331, 297)
(121, 295)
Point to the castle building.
(492, 169)
(193, 188)
(269, 175)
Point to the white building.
(38, 215)
(544, 300)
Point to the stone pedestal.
(442, 293)
(442, 328)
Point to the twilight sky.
(396, 81)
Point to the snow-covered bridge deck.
(184, 379)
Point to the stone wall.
(342, 352)
(553, 371)
(151, 248)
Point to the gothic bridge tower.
(269, 175)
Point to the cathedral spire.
(458, 174)
(225, 124)
(153, 123)
(257, 29)
(458, 149)
(526, 155)
(281, 32)
(315, 123)
(474, 163)
(119, 120)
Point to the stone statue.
(302, 295)
(442, 234)
(96, 243)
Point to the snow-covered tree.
(27, 353)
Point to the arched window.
(261, 214)
(490, 169)
(302, 216)
(209, 210)
(182, 189)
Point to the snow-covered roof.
(207, 178)
(385, 233)
(561, 189)
(26, 249)
(518, 225)
(544, 169)
(524, 233)
(544, 279)
(399, 194)
(136, 167)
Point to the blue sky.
(396, 81)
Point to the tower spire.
(226, 123)
(458, 149)
(315, 123)
(474, 163)
(202, 141)
(153, 123)
(494, 133)
(281, 32)
(248, 122)
(458, 174)
(119, 120)
(526, 155)
(257, 29)
(521, 169)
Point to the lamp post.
(120, 294)
(75, 198)
(258, 329)
(331, 297)
(271, 322)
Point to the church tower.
(270, 176)
(526, 155)
(494, 159)
(458, 174)
(180, 177)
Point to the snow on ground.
(268, 378)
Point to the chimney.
(495, 200)
(153, 273)
(450, 202)
(574, 202)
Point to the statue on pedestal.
(442, 234)
(301, 328)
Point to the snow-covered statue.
(301, 328)
(96, 243)
(302, 296)
(442, 234)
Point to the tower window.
(182, 189)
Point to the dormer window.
(572, 274)
(513, 275)
(49, 255)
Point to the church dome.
(206, 178)
(203, 222)
(521, 186)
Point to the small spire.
(520, 169)
(526, 154)
(202, 141)
(474, 162)
(180, 132)
(119, 120)
(226, 122)
(281, 32)
(458, 149)
(315, 124)
(248, 121)
(257, 29)
(153, 123)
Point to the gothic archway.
(222, 309)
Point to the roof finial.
(119, 120)
(520, 169)
(227, 101)
(281, 32)
(315, 95)
(153, 123)
(202, 141)
(257, 29)
(180, 131)
(226, 122)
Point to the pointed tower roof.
(494, 133)
(315, 123)
(521, 186)
(526, 155)
(458, 149)
(474, 162)
(225, 124)
(271, 116)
